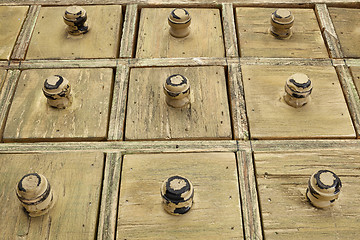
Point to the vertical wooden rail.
(118, 106)
(109, 198)
(249, 196)
(24, 38)
(128, 38)
(351, 95)
(328, 31)
(6, 95)
(229, 30)
(237, 102)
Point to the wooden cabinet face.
(75, 179)
(50, 39)
(205, 38)
(216, 210)
(286, 213)
(32, 119)
(255, 39)
(206, 117)
(347, 26)
(270, 117)
(356, 76)
(11, 20)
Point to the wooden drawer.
(216, 210)
(11, 19)
(75, 179)
(32, 119)
(270, 117)
(255, 39)
(51, 41)
(205, 38)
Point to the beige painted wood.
(205, 39)
(256, 41)
(50, 39)
(76, 181)
(128, 39)
(228, 23)
(282, 181)
(216, 210)
(356, 76)
(2, 77)
(347, 27)
(32, 119)
(325, 116)
(206, 117)
(11, 20)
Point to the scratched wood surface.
(282, 181)
(76, 182)
(356, 76)
(270, 117)
(347, 26)
(2, 77)
(216, 209)
(11, 20)
(50, 39)
(206, 117)
(205, 38)
(32, 119)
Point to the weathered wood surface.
(325, 116)
(11, 19)
(32, 119)
(128, 39)
(356, 76)
(282, 181)
(206, 117)
(50, 39)
(216, 211)
(229, 29)
(255, 39)
(347, 24)
(76, 182)
(205, 38)
(2, 77)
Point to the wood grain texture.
(118, 106)
(128, 39)
(76, 181)
(356, 76)
(109, 198)
(32, 119)
(228, 23)
(325, 116)
(11, 19)
(23, 40)
(155, 41)
(2, 77)
(206, 117)
(347, 27)
(282, 181)
(216, 210)
(256, 41)
(50, 39)
(328, 31)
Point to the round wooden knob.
(177, 194)
(57, 91)
(298, 88)
(179, 21)
(35, 194)
(323, 188)
(281, 22)
(75, 17)
(177, 91)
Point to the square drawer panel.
(286, 213)
(216, 209)
(356, 76)
(75, 179)
(32, 119)
(206, 117)
(205, 38)
(50, 39)
(270, 117)
(255, 39)
(347, 26)
(11, 20)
